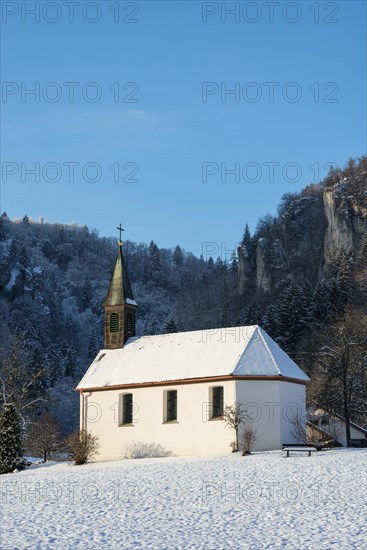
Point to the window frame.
(216, 410)
(170, 407)
(124, 420)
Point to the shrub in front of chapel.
(82, 446)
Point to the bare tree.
(18, 384)
(249, 438)
(299, 430)
(234, 416)
(82, 445)
(45, 438)
(341, 373)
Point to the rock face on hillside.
(310, 232)
(346, 225)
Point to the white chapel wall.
(193, 434)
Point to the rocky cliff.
(309, 233)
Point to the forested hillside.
(300, 273)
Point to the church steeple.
(119, 306)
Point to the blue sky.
(168, 132)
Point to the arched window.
(114, 322)
(216, 401)
(126, 409)
(170, 406)
(129, 323)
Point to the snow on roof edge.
(144, 368)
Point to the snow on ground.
(256, 502)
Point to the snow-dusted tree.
(45, 438)
(154, 257)
(233, 262)
(177, 257)
(10, 439)
(95, 340)
(252, 315)
(341, 368)
(170, 326)
(246, 239)
(2, 230)
(292, 316)
(269, 321)
(69, 364)
(18, 383)
(12, 253)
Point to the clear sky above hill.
(131, 120)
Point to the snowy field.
(261, 501)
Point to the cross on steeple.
(120, 229)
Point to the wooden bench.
(299, 449)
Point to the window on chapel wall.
(216, 401)
(114, 322)
(170, 405)
(126, 408)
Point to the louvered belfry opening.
(129, 323)
(114, 322)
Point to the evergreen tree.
(54, 365)
(69, 364)
(2, 231)
(177, 257)
(170, 327)
(60, 235)
(269, 321)
(12, 253)
(246, 239)
(292, 316)
(24, 257)
(87, 294)
(233, 263)
(154, 257)
(10, 439)
(210, 264)
(151, 326)
(252, 316)
(95, 343)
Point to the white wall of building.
(336, 428)
(193, 433)
(259, 398)
(293, 400)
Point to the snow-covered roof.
(238, 351)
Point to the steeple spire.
(119, 306)
(119, 291)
